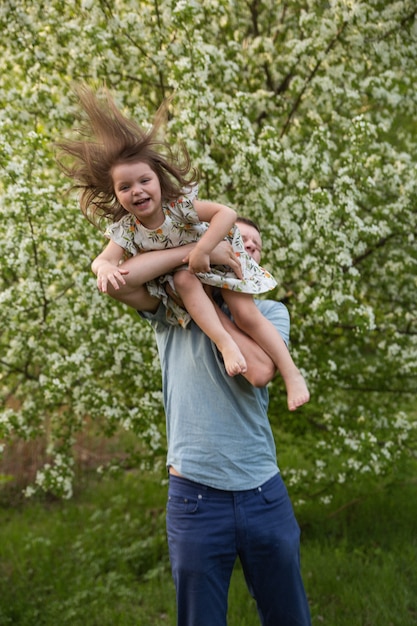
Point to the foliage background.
(301, 115)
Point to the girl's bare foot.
(234, 361)
(297, 392)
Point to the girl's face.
(138, 190)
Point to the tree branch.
(368, 252)
(309, 80)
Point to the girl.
(129, 176)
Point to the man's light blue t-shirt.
(218, 429)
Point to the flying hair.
(108, 138)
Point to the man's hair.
(108, 138)
(248, 222)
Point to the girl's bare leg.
(202, 311)
(249, 319)
(141, 269)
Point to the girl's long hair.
(108, 138)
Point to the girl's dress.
(181, 226)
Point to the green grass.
(101, 559)
(360, 566)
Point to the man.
(226, 497)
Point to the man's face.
(251, 240)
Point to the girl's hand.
(109, 273)
(198, 261)
(223, 255)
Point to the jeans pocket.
(274, 491)
(181, 505)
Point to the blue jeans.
(209, 528)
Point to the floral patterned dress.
(181, 226)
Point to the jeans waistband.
(180, 481)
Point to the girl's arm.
(221, 219)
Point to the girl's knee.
(184, 281)
(182, 278)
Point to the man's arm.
(129, 278)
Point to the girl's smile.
(138, 190)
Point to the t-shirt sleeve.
(277, 313)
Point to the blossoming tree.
(299, 114)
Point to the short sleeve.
(277, 313)
(182, 209)
(122, 233)
(191, 193)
